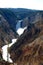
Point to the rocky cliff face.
(13, 15)
(28, 50)
(6, 32)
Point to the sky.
(29, 4)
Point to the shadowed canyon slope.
(6, 32)
(28, 49)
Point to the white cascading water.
(5, 54)
(18, 25)
(21, 30)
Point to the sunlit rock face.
(29, 46)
